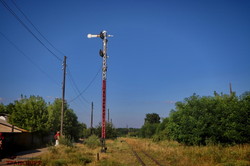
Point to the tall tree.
(30, 114)
(71, 127)
(218, 119)
(110, 131)
(150, 125)
(2, 108)
(54, 113)
(152, 118)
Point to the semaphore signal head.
(92, 36)
(101, 35)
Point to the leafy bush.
(67, 141)
(92, 142)
(59, 162)
(222, 119)
(52, 149)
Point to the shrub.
(66, 141)
(92, 142)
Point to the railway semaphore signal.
(103, 53)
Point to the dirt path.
(21, 158)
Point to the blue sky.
(162, 51)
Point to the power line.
(74, 85)
(84, 90)
(26, 56)
(58, 58)
(28, 29)
(13, 1)
(76, 89)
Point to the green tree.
(219, 119)
(2, 108)
(162, 132)
(71, 127)
(110, 131)
(148, 130)
(152, 118)
(30, 114)
(151, 123)
(54, 113)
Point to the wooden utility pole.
(91, 123)
(230, 86)
(63, 93)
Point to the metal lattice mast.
(103, 53)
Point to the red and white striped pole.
(103, 53)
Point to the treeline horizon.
(197, 120)
(203, 120)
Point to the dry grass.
(71, 156)
(172, 153)
(167, 153)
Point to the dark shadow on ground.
(27, 152)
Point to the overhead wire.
(28, 29)
(26, 56)
(57, 57)
(75, 87)
(84, 90)
(31, 23)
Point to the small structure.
(6, 127)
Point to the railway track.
(146, 157)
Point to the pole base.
(104, 148)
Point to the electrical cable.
(13, 1)
(75, 86)
(84, 90)
(26, 56)
(28, 29)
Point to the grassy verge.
(166, 152)
(65, 155)
(172, 153)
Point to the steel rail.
(139, 158)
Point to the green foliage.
(92, 142)
(59, 162)
(54, 113)
(152, 118)
(110, 131)
(2, 108)
(86, 132)
(67, 141)
(71, 127)
(151, 123)
(162, 132)
(148, 130)
(220, 119)
(65, 155)
(30, 114)
(35, 115)
(131, 132)
(82, 130)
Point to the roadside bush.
(222, 119)
(92, 142)
(67, 141)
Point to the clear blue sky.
(162, 51)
